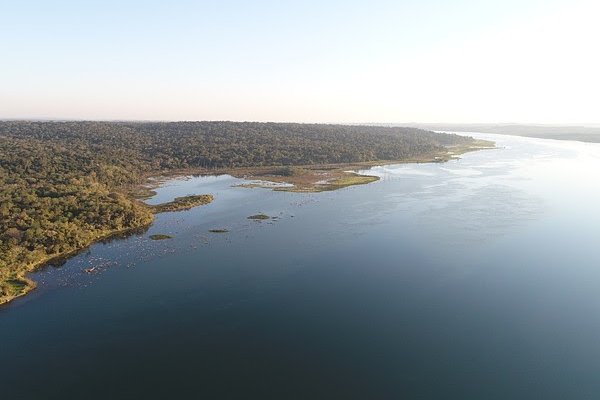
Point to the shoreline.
(27, 284)
(311, 178)
(304, 178)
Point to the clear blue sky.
(321, 61)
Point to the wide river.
(474, 279)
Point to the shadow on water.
(60, 261)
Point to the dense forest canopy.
(143, 146)
(59, 181)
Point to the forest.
(61, 183)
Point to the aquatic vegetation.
(259, 217)
(160, 237)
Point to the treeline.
(59, 181)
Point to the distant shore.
(581, 133)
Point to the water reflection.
(476, 278)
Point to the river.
(473, 279)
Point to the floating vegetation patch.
(218, 230)
(160, 237)
(259, 217)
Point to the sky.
(459, 61)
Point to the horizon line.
(540, 124)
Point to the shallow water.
(476, 278)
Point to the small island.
(218, 230)
(183, 203)
(160, 236)
(259, 217)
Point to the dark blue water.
(473, 279)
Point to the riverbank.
(303, 178)
(327, 177)
(18, 284)
(306, 177)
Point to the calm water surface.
(473, 279)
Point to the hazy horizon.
(406, 123)
(533, 62)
